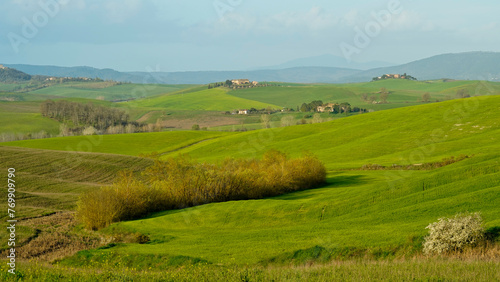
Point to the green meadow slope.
(123, 144)
(356, 211)
(403, 93)
(410, 135)
(49, 181)
(380, 212)
(108, 91)
(205, 100)
(24, 117)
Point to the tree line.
(181, 182)
(334, 109)
(78, 114)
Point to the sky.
(197, 35)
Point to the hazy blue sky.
(180, 35)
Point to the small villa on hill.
(2, 67)
(243, 82)
(394, 76)
(240, 81)
(243, 112)
(326, 108)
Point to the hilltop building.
(2, 67)
(243, 82)
(240, 81)
(325, 107)
(394, 76)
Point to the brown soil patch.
(55, 237)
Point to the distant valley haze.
(322, 69)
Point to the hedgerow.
(181, 182)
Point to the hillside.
(294, 74)
(50, 181)
(358, 212)
(329, 60)
(204, 100)
(108, 91)
(397, 136)
(124, 144)
(9, 75)
(468, 66)
(83, 71)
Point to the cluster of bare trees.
(180, 182)
(84, 114)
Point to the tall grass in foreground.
(414, 270)
(180, 182)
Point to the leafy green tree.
(304, 108)
(195, 127)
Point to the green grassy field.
(416, 270)
(103, 91)
(51, 181)
(24, 117)
(402, 92)
(204, 100)
(181, 106)
(358, 214)
(418, 134)
(357, 209)
(124, 144)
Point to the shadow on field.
(339, 181)
(493, 234)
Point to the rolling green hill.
(292, 96)
(23, 118)
(51, 181)
(204, 100)
(123, 144)
(358, 211)
(108, 91)
(398, 136)
(379, 212)
(402, 92)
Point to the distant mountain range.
(329, 61)
(471, 65)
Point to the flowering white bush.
(454, 234)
